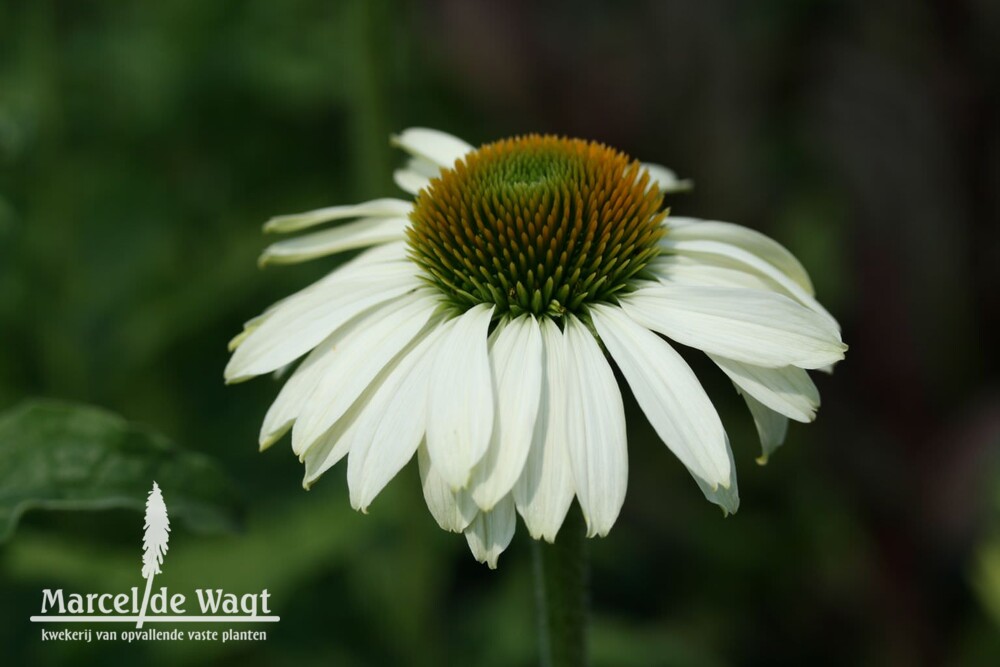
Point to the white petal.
(302, 321)
(728, 498)
(460, 402)
(391, 426)
(771, 427)
(391, 253)
(740, 258)
(516, 362)
(423, 167)
(286, 406)
(759, 328)
(453, 510)
(598, 451)
(293, 395)
(327, 450)
(410, 181)
(692, 229)
(280, 373)
(490, 532)
(683, 270)
(438, 147)
(367, 232)
(383, 208)
(669, 394)
(416, 175)
(362, 353)
(666, 179)
(544, 492)
(388, 253)
(253, 323)
(786, 390)
(238, 339)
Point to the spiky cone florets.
(537, 224)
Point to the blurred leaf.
(62, 456)
(987, 578)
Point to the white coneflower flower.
(471, 334)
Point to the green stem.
(561, 587)
(372, 126)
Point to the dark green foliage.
(60, 456)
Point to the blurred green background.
(143, 144)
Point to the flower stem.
(561, 591)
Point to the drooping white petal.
(771, 426)
(596, 438)
(392, 425)
(438, 147)
(490, 532)
(416, 175)
(423, 167)
(453, 510)
(366, 232)
(682, 270)
(293, 394)
(669, 394)
(280, 373)
(666, 179)
(758, 328)
(238, 339)
(516, 362)
(361, 354)
(410, 181)
(764, 247)
(250, 325)
(327, 450)
(335, 443)
(386, 253)
(305, 319)
(377, 208)
(544, 492)
(786, 390)
(743, 259)
(460, 401)
(728, 498)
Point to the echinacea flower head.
(477, 328)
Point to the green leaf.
(56, 455)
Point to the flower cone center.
(536, 224)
